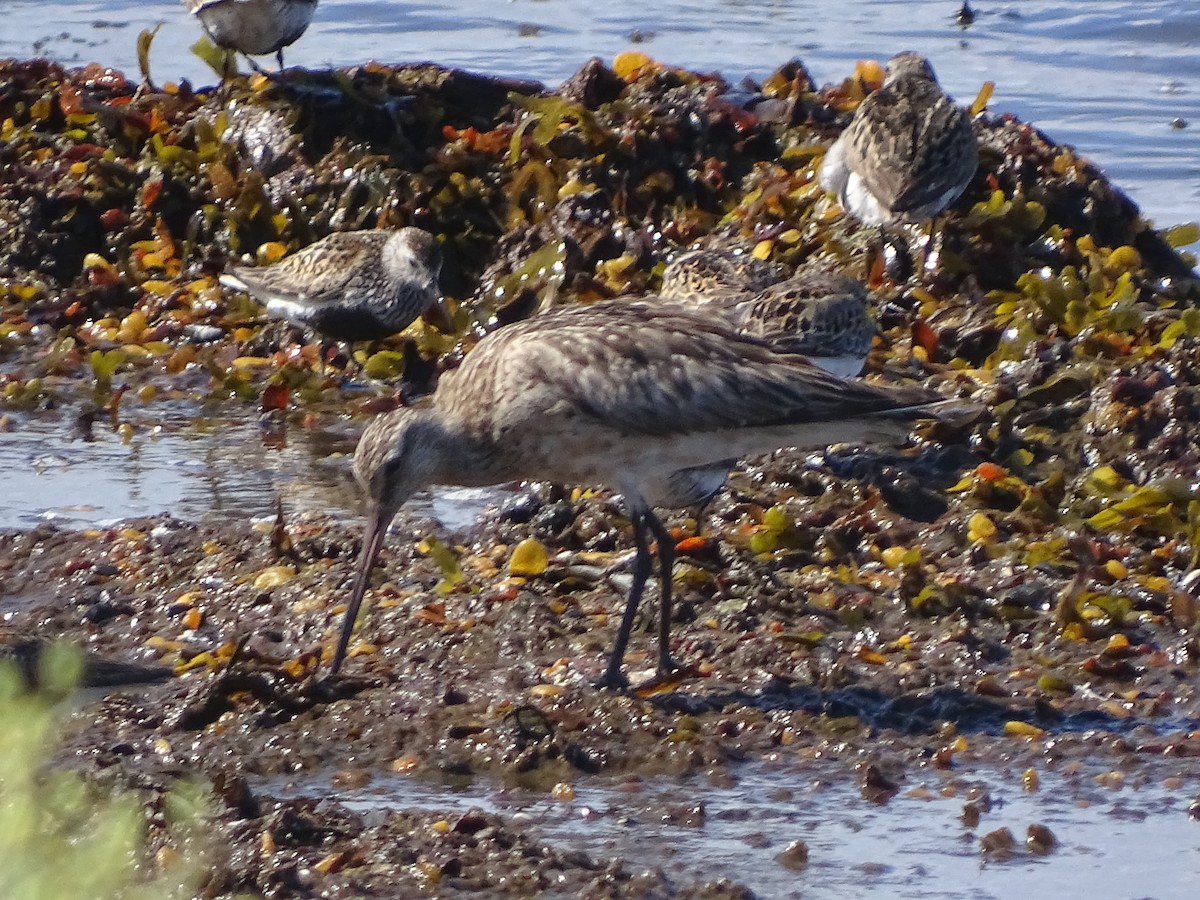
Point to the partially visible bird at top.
(352, 285)
(697, 274)
(253, 27)
(908, 152)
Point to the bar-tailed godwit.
(620, 394)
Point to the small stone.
(1040, 840)
(794, 856)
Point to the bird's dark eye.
(392, 465)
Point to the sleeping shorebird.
(822, 315)
(908, 152)
(698, 274)
(615, 393)
(352, 285)
(253, 27)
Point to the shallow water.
(191, 470)
(1112, 842)
(1108, 76)
(194, 469)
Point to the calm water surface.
(1113, 844)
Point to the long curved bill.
(377, 526)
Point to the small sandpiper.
(821, 315)
(253, 27)
(615, 393)
(353, 285)
(907, 154)
(697, 274)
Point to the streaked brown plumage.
(622, 394)
(698, 274)
(823, 315)
(254, 27)
(907, 154)
(351, 285)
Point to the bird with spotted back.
(908, 152)
(696, 275)
(820, 314)
(823, 315)
(353, 285)
(619, 394)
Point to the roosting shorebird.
(908, 152)
(621, 394)
(823, 315)
(697, 275)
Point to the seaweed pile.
(1030, 577)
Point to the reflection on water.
(194, 470)
(1109, 76)
(191, 470)
(1112, 843)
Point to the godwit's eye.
(392, 466)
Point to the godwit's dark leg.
(255, 66)
(666, 562)
(613, 677)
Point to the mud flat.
(994, 628)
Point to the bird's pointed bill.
(377, 525)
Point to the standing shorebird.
(697, 274)
(253, 27)
(907, 154)
(616, 393)
(352, 285)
